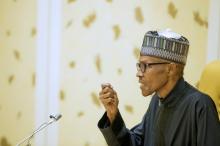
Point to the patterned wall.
(100, 43)
(101, 40)
(17, 65)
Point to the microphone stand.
(41, 127)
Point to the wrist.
(111, 116)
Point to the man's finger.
(106, 101)
(105, 85)
(107, 95)
(107, 89)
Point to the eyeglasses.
(143, 66)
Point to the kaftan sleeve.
(117, 134)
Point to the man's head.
(162, 60)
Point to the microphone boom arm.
(41, 127)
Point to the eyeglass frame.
(147, 65)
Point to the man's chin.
(144, 93)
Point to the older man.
(178, 114)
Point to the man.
(178, 114)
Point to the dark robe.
(186, 117)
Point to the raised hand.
(109, 99)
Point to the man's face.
(155, 76)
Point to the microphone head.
(56, 117)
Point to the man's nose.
(139, 74)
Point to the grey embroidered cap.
(166, 45)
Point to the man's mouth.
(141, 85)
(141, 82)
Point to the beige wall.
(99, 41)
(17, 65)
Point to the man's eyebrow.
(143, 62)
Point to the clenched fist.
(109, 99)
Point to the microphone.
(41, 127)
(56, 117)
